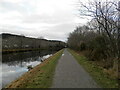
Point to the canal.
(15, 64)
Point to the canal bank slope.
(39, 77)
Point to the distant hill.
(12, 41)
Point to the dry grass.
(40, 76)
(99, 74)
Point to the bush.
(82, 46)
(98, 48)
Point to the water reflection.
(15, 64)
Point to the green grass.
(102, 78)
(44, 79)
(39, 77)
(21, 50)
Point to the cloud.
(52, 19)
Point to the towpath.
(70, 74)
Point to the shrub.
(82, 46)
(98, 48)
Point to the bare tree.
(106, 15)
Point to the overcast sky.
(51, 19)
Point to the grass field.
(95, 71)
(39, 77)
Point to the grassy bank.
(20, 50)
(39, 77)
(95, 71)
(25, 50)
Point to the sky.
(50, 19)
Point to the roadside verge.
(95, 71)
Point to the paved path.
(69, 74)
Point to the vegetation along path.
(69, 74)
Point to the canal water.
(15, 64)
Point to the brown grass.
(31, 75)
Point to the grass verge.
(95, 71)
(39, 77)
(21, 50)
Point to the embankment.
(39, 77)
(98, 73)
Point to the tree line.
(99, 39)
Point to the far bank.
(20, 43)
